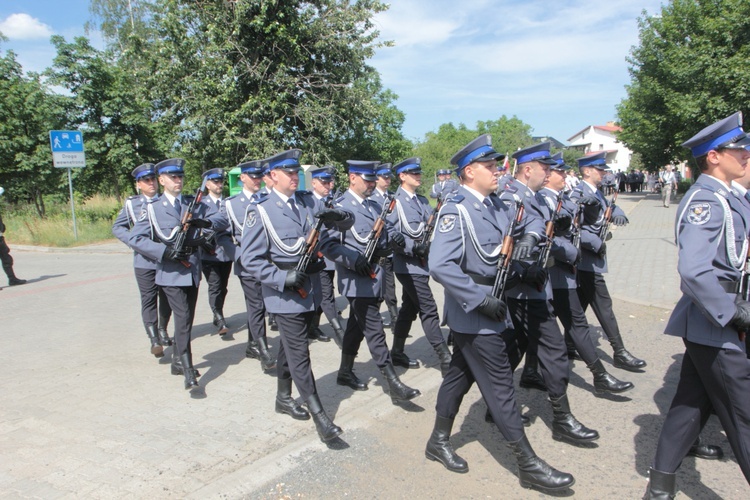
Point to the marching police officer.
(179, 269)
(380, 194)
(592, 289)
(530, 300)
(152, 296)
(444, 185)
(565, 254)
(712, 317)
(265, 190)
(235, 207)
(463, 258)
(273, 240)
(218, 253)
(323, 179)
(407, 227)
(361, 282)
(5, 258)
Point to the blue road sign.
(66, 141)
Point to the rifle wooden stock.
(187, 216)
(607, 218)
(549, 232)
(506, 251)
(430, 227)
(377, 230)
(311, 244)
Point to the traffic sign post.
(67, 152)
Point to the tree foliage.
(27, 112)
(508, 135)
(689, 70)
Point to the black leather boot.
(530, 378)
(327, 430)
(399, 357)
(272, 322)
(188, 371)
(14, 281)
(445, 357)
(705, 451)
(439, 448)
(526, 421)
(346, 374)
(623, 359)
(220, 323)
(267, 361)
(338, 332)
(393, 315)
(533, 472)
(177, 368)
(605, 382)
(565, 427)
(286, 404)
(398, 390)
(661, 485)
(314, 332)
(156, 348)
(252, 350)
(162, 331)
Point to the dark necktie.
(293, 205)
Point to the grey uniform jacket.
(562, 274)
(465, 228)
(271, 246)
(443, 189)
(711, 229)
(235, 208)
(344, 246)
(409, 218)
(593, 218)
(536, 214)
(133, 210)
(151, 235)
(224, 246)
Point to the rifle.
(577, 226)
(181, 239)
(377, 230)
(549, 231)
(430, 227)
(744, 291)
(607, 219)
(311, 243)
(506, 250)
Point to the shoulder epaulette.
(134, 197)
(456, 198)
(263, 198)
(511, 189)
(301, 192)
(188, 197)
(422, 198)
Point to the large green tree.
(689, 69)
(508, 135)
(27, 113)
(107, 106)
(232, 80)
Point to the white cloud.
(24, 27)
(557, 66)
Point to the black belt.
(481, 280)
(730, 286)
(286, 266)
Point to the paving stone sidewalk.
(87, 411)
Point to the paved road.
(87, 412)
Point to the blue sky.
(557, 65)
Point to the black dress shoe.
(626, 361)
(315, 333)
(16, 281)
(705, 451)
